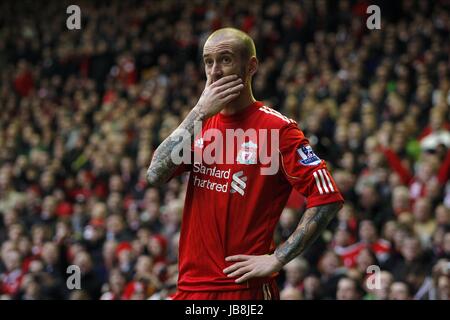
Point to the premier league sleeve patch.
(307, 156)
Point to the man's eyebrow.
(219, 53)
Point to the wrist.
(278, 263)
(201, 115)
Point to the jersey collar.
(246, 112)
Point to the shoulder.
(289, 131)
(273, 118)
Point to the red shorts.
(266, 291)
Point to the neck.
(240, 103)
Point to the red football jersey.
(231, 207)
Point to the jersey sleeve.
(305, 171)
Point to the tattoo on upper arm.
(311, 225)
(162, 165)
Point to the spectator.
(11, 279)
(443, 291)
(399, 291)
(424, 225)
(331, 271)
(411, 255)
(116, 286)
(291, 293)
(91, 284)
(79, 295)
(368, 239)
(348, 289)
(312, 289)
(295, 272)
(386, 279)
(83, 112)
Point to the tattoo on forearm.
(162, 165)
(311, 225)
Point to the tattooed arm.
(162, 166)
(213, 99)
(311, 225)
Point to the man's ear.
(253, 66)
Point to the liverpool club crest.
(247, 153)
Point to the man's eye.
(208, 62)
(226, 60)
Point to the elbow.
(153, 179)
(335, 207)
(338, 206)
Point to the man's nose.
(216, 71)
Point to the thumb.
(208, 81)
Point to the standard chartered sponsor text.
(212, 172)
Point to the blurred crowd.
(81, 112)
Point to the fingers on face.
(225, 79)
(231, 84)
(231, 91)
